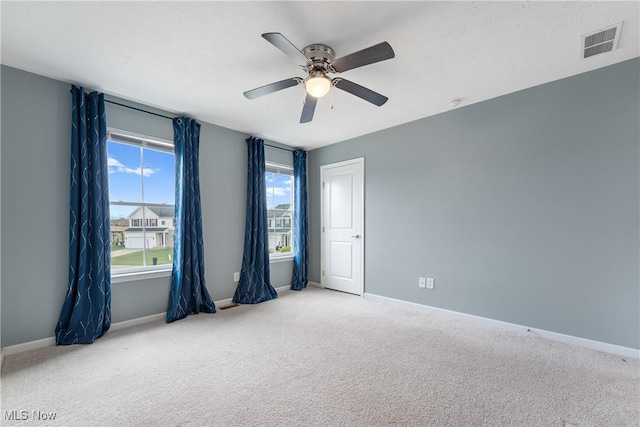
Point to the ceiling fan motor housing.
(320, 56)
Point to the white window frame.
(277, 168)
(144, 141)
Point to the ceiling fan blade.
(370, 55)
(308, 109)
(360, 91)
(272, 87)
(281, 42)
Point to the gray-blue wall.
(524, 208)
(36, 117)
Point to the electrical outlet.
(430, 282)
(236, 277)
(421, 282)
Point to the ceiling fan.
(318, 60)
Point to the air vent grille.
(601, 37)
(597, 49)
(601, 41)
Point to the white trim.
(553, 336)
(223, 302)
(139, 275)
(146, 141)
(359, 161)
(28, 346)
(277, 166)
(343, 163)
(51, 341)
(1, 358)
(137, 322)
(281, 289)
(315, 284)
(282, 169)
(281, 258)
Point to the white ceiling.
(197, 58)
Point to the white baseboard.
(136, 322)
(51, 341)
(224, 302)
(27, 346)
(229, 301)
(281, 289)
(554, 336)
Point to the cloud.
(115, 166)
(278, 191)
(112, 162)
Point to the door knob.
(357, 236)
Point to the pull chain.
(331, 94)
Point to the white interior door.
(343, 226)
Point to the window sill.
(140, 275)
(277, 259)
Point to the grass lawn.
(165, 256)
(116, 248)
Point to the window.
(279, 209)
(137, 222)
(141, 194)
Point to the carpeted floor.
(320, 357)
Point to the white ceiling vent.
(601, 41)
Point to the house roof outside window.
(159, 211)
(164, 212)
(280, 211)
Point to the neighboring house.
(117, 231)
(279, 225)
(159, 225)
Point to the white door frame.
(359, 160)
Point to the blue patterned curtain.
(255, 283)
(300, 225)
(188, 293)
(86, 311)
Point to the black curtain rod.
(171, 118)
(138, 109)
(279, 148)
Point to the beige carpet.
(319, 357)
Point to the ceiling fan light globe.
(317, 85)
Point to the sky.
(158, 175)
(278, 189)
(128, 172)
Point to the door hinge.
(322, 184)
(323, 228)
(322, 273)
